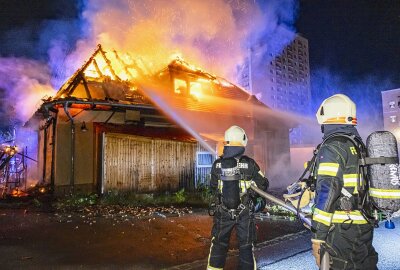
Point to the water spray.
(173, 114)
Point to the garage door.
(141, 164)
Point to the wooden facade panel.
(63, 154)
(84, 163)
(146, 165)
(44, 154)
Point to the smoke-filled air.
(23, 83)
(212, 34)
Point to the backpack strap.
(381, 160)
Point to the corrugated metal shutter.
(143, 164)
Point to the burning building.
(116, 124)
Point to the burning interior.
(117, 124)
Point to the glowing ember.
(18, 193)
(10, 150)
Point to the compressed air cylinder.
(384, 178)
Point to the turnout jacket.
(249, 172)
(337, 173)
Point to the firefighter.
(231, 176)
(339, 228)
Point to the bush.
(205, 192)
(278, 210)
(74, 201)
(199, 198)
(180, 196)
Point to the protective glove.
(214, 202)
(316, 250)
(259, 204)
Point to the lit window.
(393, 118)
(180, 86)
(195, 89)
(392, 104)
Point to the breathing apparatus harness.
(308, 184)
(362, 202)
(243, 186)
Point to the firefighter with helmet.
(339, 227)
(231, 176)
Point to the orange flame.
(18, 193)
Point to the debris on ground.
(117, 213)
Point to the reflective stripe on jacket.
(337, 173)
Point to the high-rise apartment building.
(391, 111)
(280, 81)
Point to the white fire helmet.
(235, 136)
(337, 109)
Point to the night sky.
(357, 43)
(354, 37)
(354, 45)
(24, 22)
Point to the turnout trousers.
(350, 247)
(221, 234)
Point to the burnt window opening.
(180, 86)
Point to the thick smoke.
(24, 83)
(212, 34)
(275, 29)
(31, 55)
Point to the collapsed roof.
(107, 82)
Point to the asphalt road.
(40, 241)
(115, 239)
(293, 252)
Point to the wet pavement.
(36, 240)
(386, 243)
(90, 239)
(267, 253)
(293, 252)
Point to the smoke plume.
(212, 34)
(24, 82)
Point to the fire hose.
(306, 220)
